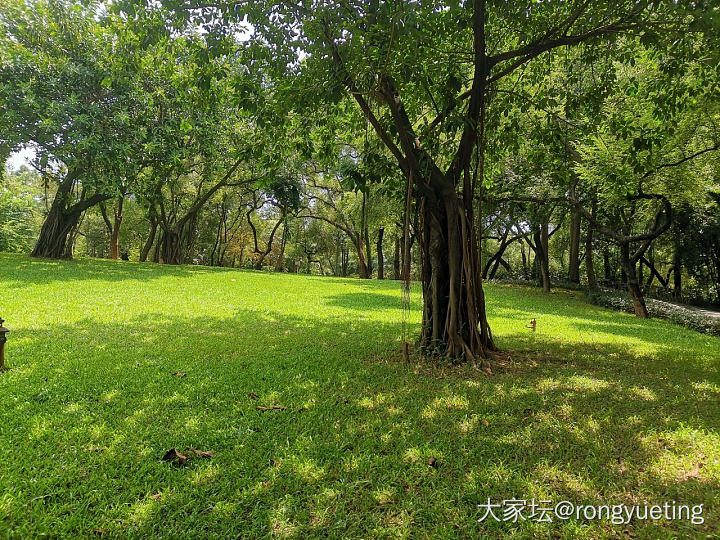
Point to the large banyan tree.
(424, 75)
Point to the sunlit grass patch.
(595, 406)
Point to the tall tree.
(431, 109)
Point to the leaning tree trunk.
(53, 241)
(145, 251)
(280, 264)
(363, 268)
(633, 284)
(57, 231)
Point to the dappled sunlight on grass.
(113, 364)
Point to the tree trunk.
(171, 249)
(363, 268)
(396, 259)
(589, 265)
(145, 251)
(380, 255)
(574, 263)
(365, 239)
(53, 242)
(606, 265)
(454, 317)
(57, 231)
(677, 272)
(541, 255)
(280, 264)
(115, 233)
(633, 285)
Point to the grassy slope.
(595, 406)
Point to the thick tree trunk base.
(54, 241)
(454, 318)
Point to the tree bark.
(633, 285)
(56, 234)
(574, 262)
(454, 322)
(396, 259)
(115, 234)
(380, 255)
(541, 254)
(280, 264)
(589, 264)
(365, 238)
(677, 272)
(145, 251)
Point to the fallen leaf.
(273, 408)
(485, 423)
(694, 473)
(180, 374)
(253, 395)
(201, 453)
(156, 497)
(433, 462)
(173, 456)
(100, 532)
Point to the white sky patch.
(20, 158)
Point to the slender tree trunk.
(115, 233)
(677, 272)
(633, 284)
(280, 264)
(363, 268)
(365, 239)
(396, 259)
(574, 262)
(541, 255)
(380, 255)
(589, 266)
(145, 251)
(606, 266)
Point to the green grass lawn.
(594, 407)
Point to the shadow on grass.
(95, 406)
(22, 271)
(364, 301)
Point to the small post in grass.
(3, 339)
